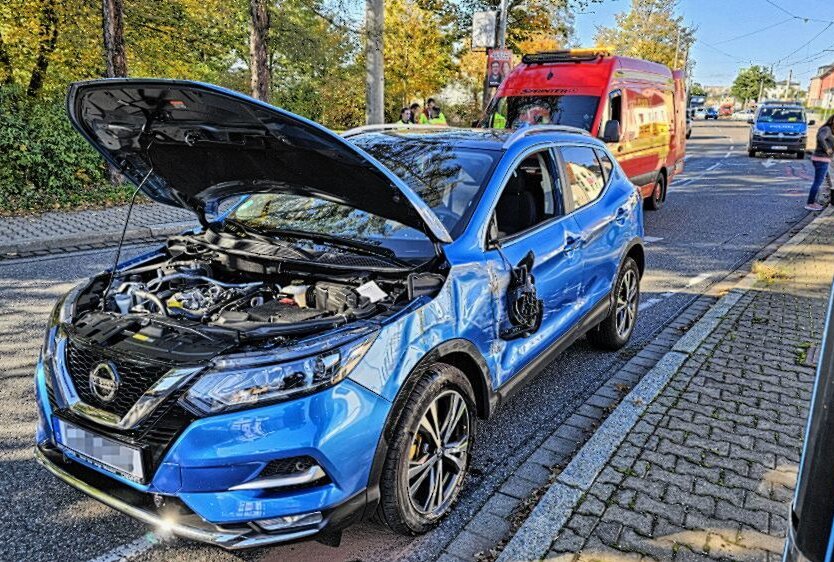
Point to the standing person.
(415, 112)
(405, 116)
(437, 117)
(822, 161)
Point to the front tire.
(655, 200)
(428, 460)
(751, 153)
(800, 155)
(614, 332)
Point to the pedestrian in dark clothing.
(822, 161)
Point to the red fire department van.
(637, 107)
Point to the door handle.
(571, 242)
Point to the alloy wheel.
(438, 454)
(627, 303)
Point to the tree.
(112, 19)
(650, 31)
(418, 54)
(751, 82)
(47, 40)
(697, 89)
(258, 55)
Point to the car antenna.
(122, 238)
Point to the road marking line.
(698, 279)
(714, 166)
(648, 304)
(668, 294)
(130, 550)
(652, 239)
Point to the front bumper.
(187, 526)
(339, 428)
(767, 144)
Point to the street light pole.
(374, 62)
(502, 25)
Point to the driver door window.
(530, 197)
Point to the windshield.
(448, 178)
(270, 213)
(781, 115)
(513, 112)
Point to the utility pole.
(502, 25)
(374, 62)
(788, 89)
(677, 48)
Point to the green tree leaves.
(750, 82)
(651, 31)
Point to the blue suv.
(321, 348)
(778, 128)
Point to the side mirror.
(612, 132)
(750, 121)
(475, 123)
(812, 122)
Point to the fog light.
(290, 521)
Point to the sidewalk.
(76, 229)
(699, 460)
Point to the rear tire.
(431, 444)
(655, 200)
(614, 332)
(751, 153)
(800, 155)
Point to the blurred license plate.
(780, 147)
(100, 451)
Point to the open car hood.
(195, 144)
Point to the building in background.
(821, 91)
(785, 90)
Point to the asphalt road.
(719, 213)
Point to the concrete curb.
(74, 240)
(533, 539)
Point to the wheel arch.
(460, 353)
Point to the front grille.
(135, 376)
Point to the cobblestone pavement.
(708, 471)
(62, 229)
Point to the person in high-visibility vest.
(499, 121)
(415, 113)
(428, 117)
(405, 116)
(437, 117)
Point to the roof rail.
(533, 129)
(387, 127)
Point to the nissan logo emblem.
(104, 382)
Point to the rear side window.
(585, 174)
(607, 165)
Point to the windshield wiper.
(338, 241)
(269, 234)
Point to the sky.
(775, 37)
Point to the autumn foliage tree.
(651, 30)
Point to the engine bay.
(216, 291)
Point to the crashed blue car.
(320, 349)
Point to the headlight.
(757, 131)
(246, 381)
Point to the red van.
(637, 107)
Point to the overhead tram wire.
(780, 64)
(771, 26)
(795, 16)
